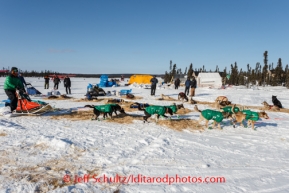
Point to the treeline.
(34, 73)
(265, 74)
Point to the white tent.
(209, 79)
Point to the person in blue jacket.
(23, 81)
(187, 86)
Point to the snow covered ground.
(37, 152)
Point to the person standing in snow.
(193, 86)
(46, 82)
(177, 83)
(154, 82)
(13, 82)
(187, 86)
(67, 84)
(56, 81)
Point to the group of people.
(56, 81)
(189, 84)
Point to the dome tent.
(140, 79)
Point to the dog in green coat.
(151, 110)
(249, 115)
(209, 114)
(105, 109)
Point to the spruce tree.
(190, 71)
(173, 72)
(264, 75)
(279, 72)
(241, 77)
(236, 72)
(167, 77)
(248, 81)
(217, 69)
(287, 76)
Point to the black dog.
(276, 102)
(151, 110)
(105, 109)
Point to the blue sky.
(141, 36)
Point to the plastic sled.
(124, 92)
(29, 107)
(31, 90)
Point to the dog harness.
(228, 109)
(160, 110)
(251, 115)
(173, 107)
(112, 104)
(212, 115)
(104, 108)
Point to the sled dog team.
(226, 111)
(235, 114)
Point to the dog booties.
(104, 108)
(160, 110)
(251, 115)
(173, 107)
(212, 115)
(228, 109)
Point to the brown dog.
(222, 101)
(182, 96)
(251, 116)
(270, 107)
(221, 98)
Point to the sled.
(31, 90)
(125, 92)
(28, 107)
